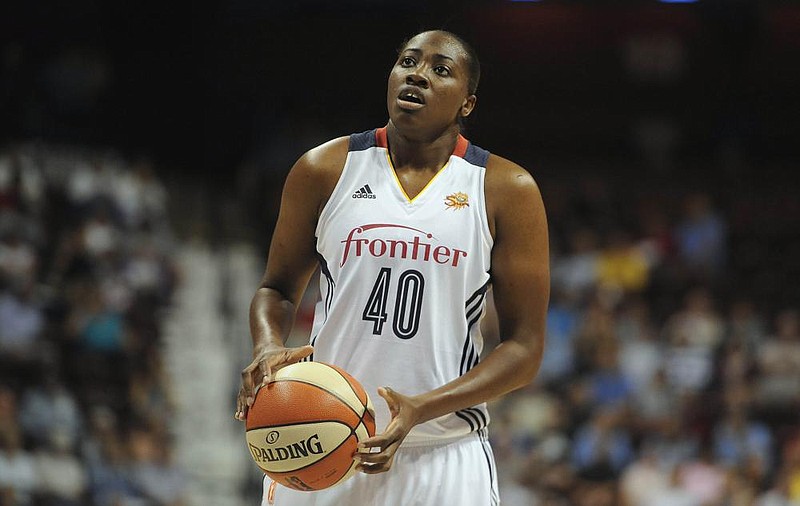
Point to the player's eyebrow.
(437, 55)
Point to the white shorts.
(461, 472)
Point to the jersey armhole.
(486, 232)
(327, 209)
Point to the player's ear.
(468, 105)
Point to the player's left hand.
(375, 455)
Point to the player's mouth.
(410, 100)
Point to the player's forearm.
(271, 318)
(510, 366)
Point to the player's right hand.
(260, 372)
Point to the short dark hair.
(473, 64)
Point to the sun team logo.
(456, 201)
(419, 247)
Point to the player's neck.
(420, 154)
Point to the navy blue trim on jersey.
(480, 291)
(312, 342)
(483, 421)
(474, 311)
(466, 419)
(362, 141)
(469, 356)
(484, 437)
(325, 271)
(475, 418)
(474, 308)
(476, 156)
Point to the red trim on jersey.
(382, 141)
(461, 146)
(380, 138)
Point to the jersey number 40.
(407, 306)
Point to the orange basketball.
(303, 427)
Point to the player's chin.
(403, 114)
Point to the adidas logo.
(365, 192)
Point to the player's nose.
(416, 79)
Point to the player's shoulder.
(319, 168)
(512, 196)
(327, 157)
(504, 178)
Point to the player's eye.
(407, 61)
(441, 70)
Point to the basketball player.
(410, 224)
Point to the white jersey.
(403, 281)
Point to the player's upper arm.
(292, 253)
(520, 256)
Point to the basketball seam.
(363, 404)
(297, 423)
(321, 387)
(351, 386)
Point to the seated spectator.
(642, 480)
(689, 369)
(602, 447)
(597, 328)
(779, 362)
(153, 471)
(641, 355)
(8, 410)
(147, 396)
(97, 327)
(562, 326)
(697, 322)
(140, 195)
(777, 495)
(576, 272)
(674, 494)
(23, 322)
(101, 238)
(693, 334)
(621, 266)
(50, 407)
(746, 325)
(704, 479)
(701, 237)
(608, 385)
(18, 260)
(62, 477)
(18, 475)
(672, 443)
(655, 405)
(110, 476)
(742, 442)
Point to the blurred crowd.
(660, 385)
(665, 381)
(85, 275)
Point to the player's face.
(428, 85)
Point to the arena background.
(142, 150)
